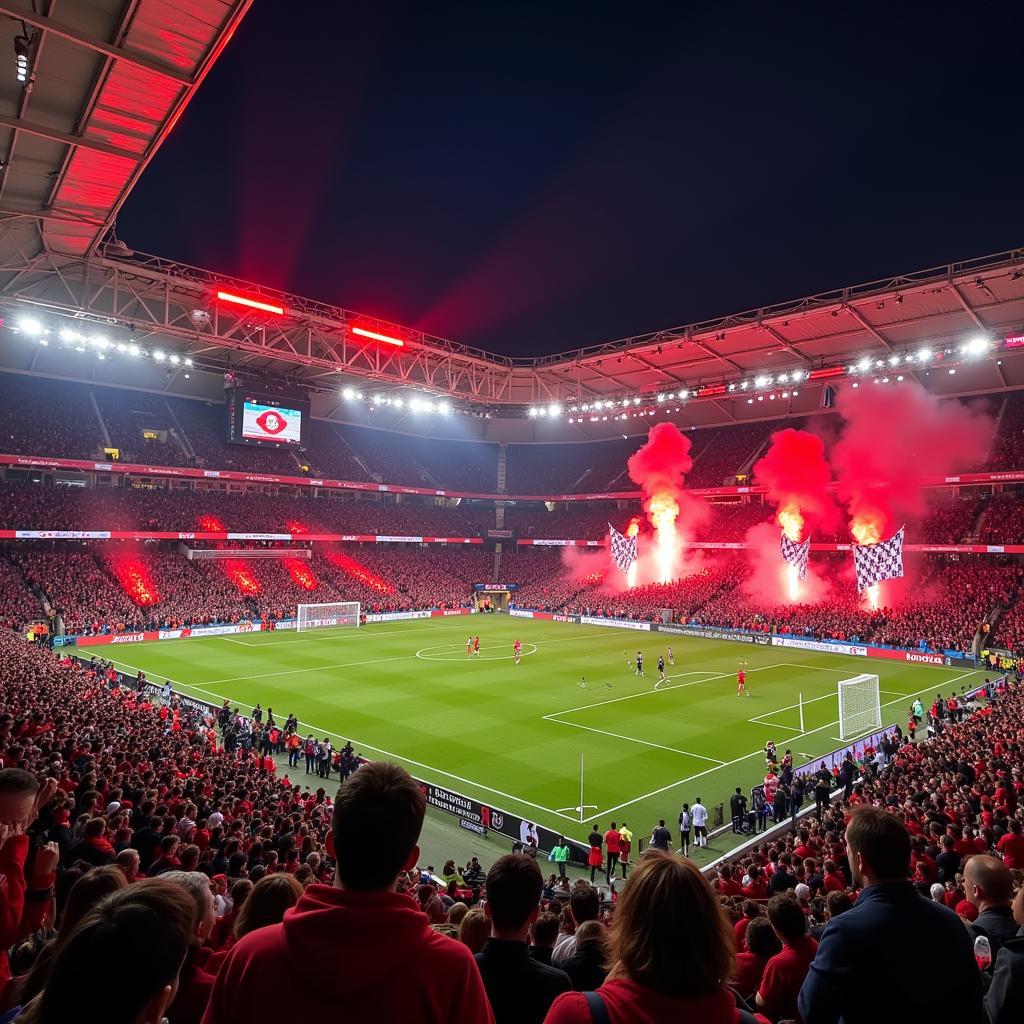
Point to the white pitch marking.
(646, 743)
(760, 753)
(380, 750)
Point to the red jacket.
(19, 916)
(368, 956)
(630, 1003)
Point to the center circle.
(456, 652)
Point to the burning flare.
(663, 511)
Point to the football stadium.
(445, 660)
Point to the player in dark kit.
(662, 678)
(639, 663)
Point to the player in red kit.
(741, 681)
(476, 646)
(517, 650)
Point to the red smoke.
(797, 477)
(894, 438)
(660, 467)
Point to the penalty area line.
(380, 750)
(760, 753)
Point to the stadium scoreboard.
(260, 419)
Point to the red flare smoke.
(659, 467)
(301, 574)
(347, 564)
(241, 576)
(892, 439)
(135, 579)
(211, 524)
(797, 477)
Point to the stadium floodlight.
(22, 56)
(134, 350)
(30, 325)
(188, 361)
(977, 345)
(894, 360)
(732, 387)
(399, 402)
(864, 364)
(762, 381)
(533, 411)
(684, 394)
(745, 385)
(661, 398)
(554, 409)
(444, 407)
(158, 355)
(783, 378)
(175, 359)
(348, 393)
(636, 401)
(99, 342)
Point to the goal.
(323, 616)
(859, 708)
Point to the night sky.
(533, 177)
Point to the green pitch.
(512, 735)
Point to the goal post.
(326, 616)
(860, 708)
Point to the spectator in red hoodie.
(365, 951)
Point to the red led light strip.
(363, 333)
(242, 300)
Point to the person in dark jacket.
(988, 884)
(1004, 1001)
(543, 936)
(519, 987)
(861, 962)
(585, 967)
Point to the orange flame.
(866, 528)
(663, 511)
(634, 527)
(791, 519)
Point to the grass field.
(512, 735)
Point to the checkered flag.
(877, 562)
(796, 553)
(623, 548)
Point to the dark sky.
(530, 177)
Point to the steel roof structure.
(107, 81)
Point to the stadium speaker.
(828, 397)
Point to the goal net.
(860, 710)
(323, 616)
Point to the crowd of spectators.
(37, 507)
(131, 835)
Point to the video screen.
(260, 419)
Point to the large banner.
(820, 645)
(597, 620)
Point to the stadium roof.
(105, 83)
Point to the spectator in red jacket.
(784, 974)
(670, 965)
(22, 906)
(361, 949)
